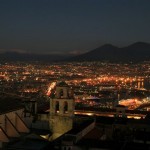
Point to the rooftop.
(8, 104)
(79, 126)
(29, 142)
(62, 84)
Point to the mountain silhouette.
(135, 52)
(138, 51)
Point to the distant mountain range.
(138, 51)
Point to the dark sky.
(72, 26)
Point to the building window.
(65, 107)
(66, 148)
(61, 93)
(57, 107)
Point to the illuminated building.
(61, 111)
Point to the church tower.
(61, 110)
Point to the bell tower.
(61, 110)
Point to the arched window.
(57, 107)
(61, 93)
(65, 107)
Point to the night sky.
(71, 26)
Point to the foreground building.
(66, 131)
(18, 129)
(61, 111)
(11, 123)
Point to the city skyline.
(71, 27)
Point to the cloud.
(2, 50)
(18, 51)
(76, 52)
(21, 51)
